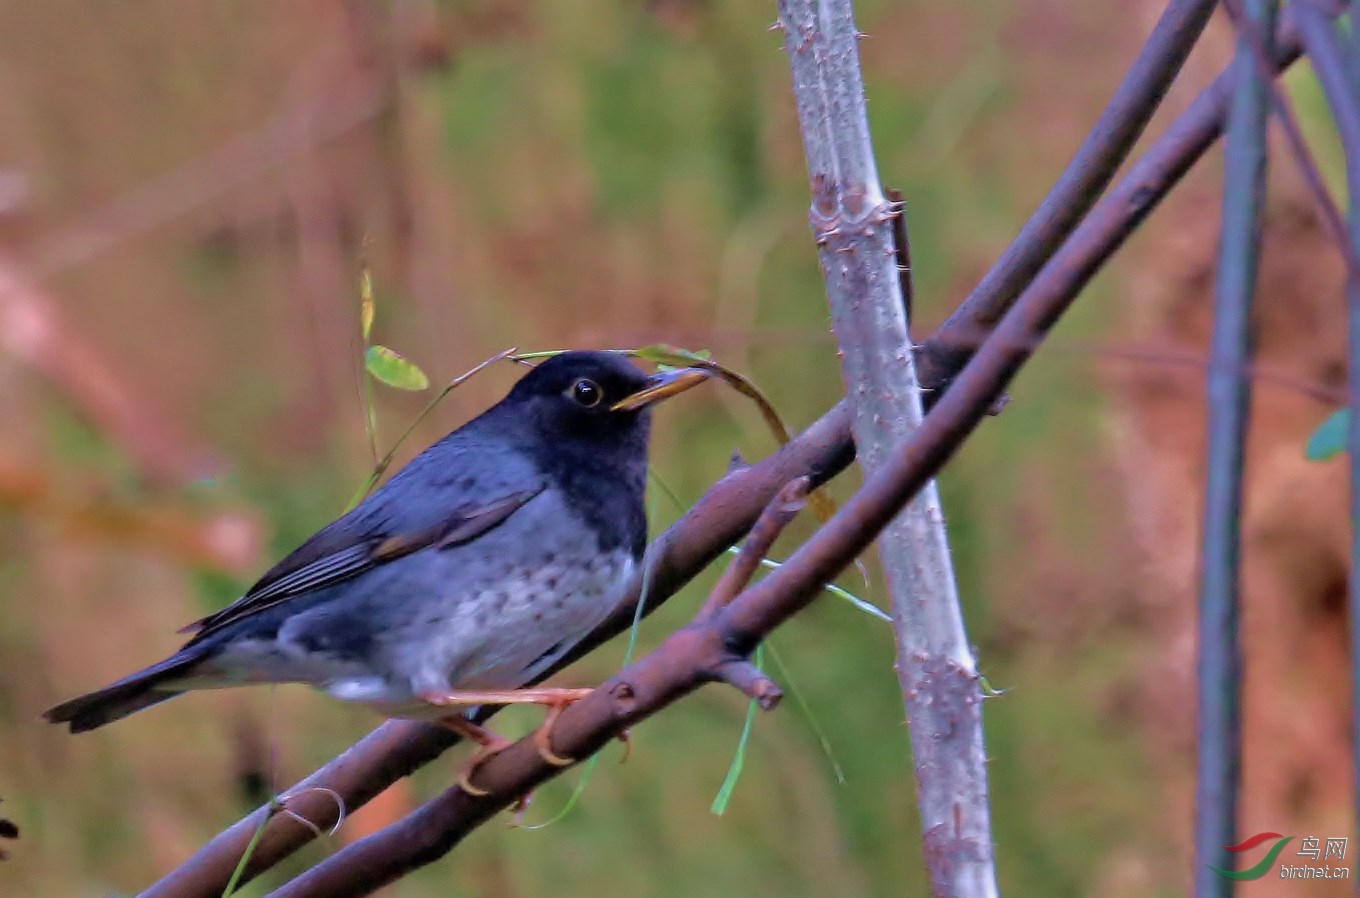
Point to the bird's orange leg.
(488, 744)
(555, 699)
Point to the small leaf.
(381, 465)
(393, 369)
(1330, 437)
(367, 307)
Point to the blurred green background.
(187, 194)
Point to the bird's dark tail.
(127, 696)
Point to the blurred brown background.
(187, 191)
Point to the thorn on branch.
(736, 462)
(903, 249)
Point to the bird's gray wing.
(407, 515)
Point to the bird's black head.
(571, 397)
(584, 418)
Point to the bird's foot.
(555, 699)
(488, 745)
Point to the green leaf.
(367, 307)
(394, 370)
(1330, 437)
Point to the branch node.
(746, 677)
(625, 698)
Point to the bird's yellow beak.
(660, 386)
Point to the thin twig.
(902, 252)
(776, 516)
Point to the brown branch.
(773, 520)
(732, 505)
(902, 250)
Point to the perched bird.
(468, 574)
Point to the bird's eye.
(586, 392)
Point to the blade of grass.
(729, 784)
(785, 676)
(864, 605)
(367, 305)
(273, 808)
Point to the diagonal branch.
(776, 516)
(1090, 172)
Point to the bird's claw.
(542, 736)
(465, 783)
